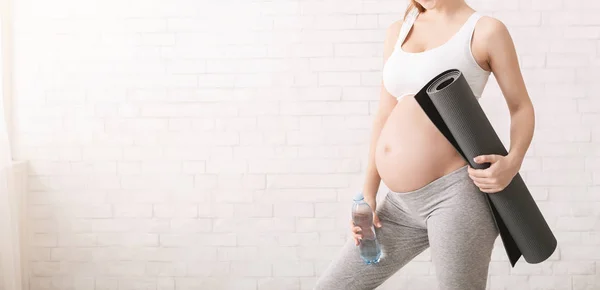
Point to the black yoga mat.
(451, 105)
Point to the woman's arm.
(496, 42)
(504, 63)
(386, 104)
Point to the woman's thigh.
(401, 239)
(461, 234)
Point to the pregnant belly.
(411, 151)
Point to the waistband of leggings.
(438, 182)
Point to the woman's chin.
(428, 4)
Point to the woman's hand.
(356, 230)
(496, 177)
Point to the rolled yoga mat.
(451, 105)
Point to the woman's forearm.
(521, 133)
(372, 178)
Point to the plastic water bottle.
(362, 216)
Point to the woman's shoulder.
(391, 35)
(489, 27)
(489, 36)
(394, 28)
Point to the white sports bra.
(405, 73)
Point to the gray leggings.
(449, 214)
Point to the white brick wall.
(216, 144)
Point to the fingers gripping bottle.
(362, 216)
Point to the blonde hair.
(412, 5)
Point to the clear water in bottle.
(362, 216)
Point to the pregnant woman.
(436, 199)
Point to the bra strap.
(470, 26)
(406, 25)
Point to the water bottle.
(362, 216)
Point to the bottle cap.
(359, 196)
